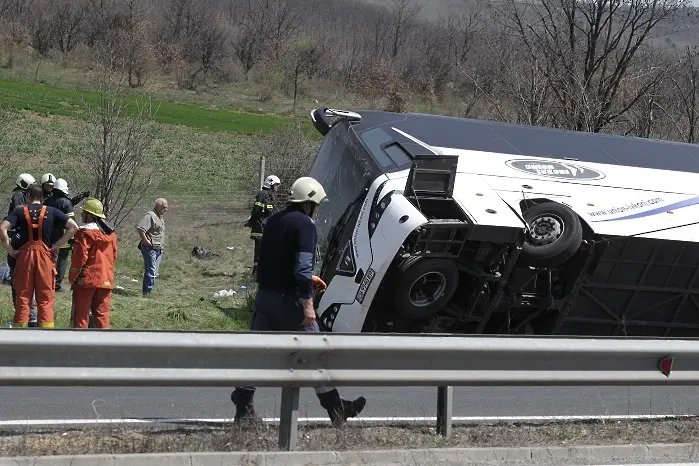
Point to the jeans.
(151, 266)
(61, 265)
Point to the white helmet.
(271, 180)
(48, 178)
(61, 185)
(306, 189)
(24, 180)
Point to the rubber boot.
(340, 410)
(244, 409)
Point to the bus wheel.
(424, 285)
(554, 235)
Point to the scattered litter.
(129, 278)
(222, 293)
(231, 248)
(201, 253)
(243, 287)
(8, 325)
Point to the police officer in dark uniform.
(261, 210)
(59, 200)
(284, 300)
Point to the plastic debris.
(224, 293)
(201, 253)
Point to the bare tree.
(119, 134)
(404, 14)
(298, 56)
(284, 21)
(250, 38)
(683, 103)
(586, 49)
(68, 24)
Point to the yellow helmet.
(94, 206)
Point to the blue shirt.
(287, 253)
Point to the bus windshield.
(344, 169)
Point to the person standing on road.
(284, 300)
(32, 246)
(92, 263)
(18, 198)
(151, 229)
(261, 210)
(59, 200)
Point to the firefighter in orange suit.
(92, 267)
(35, 270)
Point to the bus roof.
(534, 141)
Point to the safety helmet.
(61, 185)
(24, 180)
(48, 178)
(94, 206)
(306, 189)
(271, 180)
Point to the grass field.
(208, 157)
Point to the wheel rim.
(427, 288)
(545, 229)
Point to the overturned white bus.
(442, 224)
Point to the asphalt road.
(19, 403)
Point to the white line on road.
(623, 417)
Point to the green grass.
(46, 100)
(183, 297)
(205, 178)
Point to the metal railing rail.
(68, 357)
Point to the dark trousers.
(282, 312)
(61, 265)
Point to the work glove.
(318, 284)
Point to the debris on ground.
(224, 293)
(201, 253)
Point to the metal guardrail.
(293, 360)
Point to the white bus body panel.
(371, 255)
(612, 199)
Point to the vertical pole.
(262, 171)
(445, 398)
(289, 418)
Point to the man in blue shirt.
(284, 300)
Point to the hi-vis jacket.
(261, 210)
(93, 259)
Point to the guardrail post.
(289, 418)
(445, 398)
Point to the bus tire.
(554, 235)
(423, 286)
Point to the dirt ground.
(354, 436)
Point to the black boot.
(338, 409)
(244, 410)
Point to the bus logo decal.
(554, 169)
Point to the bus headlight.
(377, 211)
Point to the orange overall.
(92, 275)
(34, 275)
